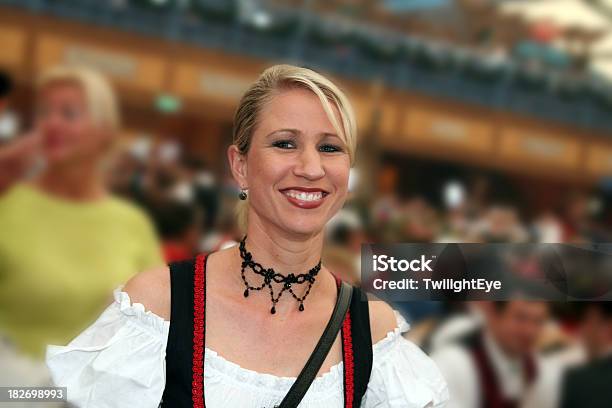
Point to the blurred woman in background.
(65, 242)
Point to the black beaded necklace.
(269, 275)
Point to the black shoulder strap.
(179, 348)
(362, 345)
(310, 370)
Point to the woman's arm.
(402, 375)
(118, 361)
(382, 320)
(16, 158)
(152, 289)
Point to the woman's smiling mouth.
(306, 198)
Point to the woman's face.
(67, 131)
(297, 166)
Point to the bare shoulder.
(152, 289)
(382, 319)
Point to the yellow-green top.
(61, 259)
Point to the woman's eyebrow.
(332, 135)
(294, 132)
(328, 134)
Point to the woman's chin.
(304, 226)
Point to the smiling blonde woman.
(235, 327)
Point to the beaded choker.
(269, 276)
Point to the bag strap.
(310, 370)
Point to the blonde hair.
(99, 95)
(284, 77)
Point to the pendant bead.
(246, 293)
(273, 310)
(301, 308)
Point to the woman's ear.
(238, 165)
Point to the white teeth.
(301, 195)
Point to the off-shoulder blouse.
(119, 361)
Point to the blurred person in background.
(419, 221)
(386, 206)
(547, 228)
(495, 365)
(6, 85)
(499, 224)
(9, 121)
(205, 188)
(455, 219)
(179, 226)
(13, 156)
(66, 241)
(590, 385)
(342, 253)
(127, 173)
(580, 224)
(459, 319)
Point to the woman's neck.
(77, 183)
(283, 252)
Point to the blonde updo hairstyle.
(275, 80)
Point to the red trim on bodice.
(197, 385)
(199, 313)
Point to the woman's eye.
(328, 148)
(283, 144)
(71, 113)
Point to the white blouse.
(119, 361)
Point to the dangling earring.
(242, 195)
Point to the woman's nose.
(309, 165)
(49, 122)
